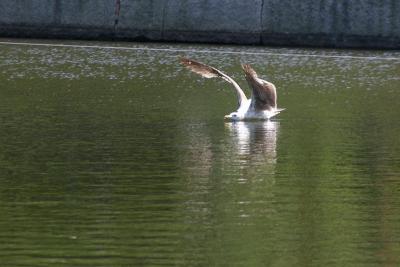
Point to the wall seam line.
(261, 22)
(163, 20)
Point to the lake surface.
(115, 155)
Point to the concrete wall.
(334, 23)
(344, 23)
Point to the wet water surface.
(121, 157)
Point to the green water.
(115, 157)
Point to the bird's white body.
(245, 112)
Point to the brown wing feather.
(202, 69)
(264, 93)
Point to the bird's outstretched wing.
(202, 69)
(264, 93)
(211, 72)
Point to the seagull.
(262, 104)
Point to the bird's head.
(234, 116)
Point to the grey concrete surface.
(333, 23)
(225, 21)
(341, 23)
(142, 19)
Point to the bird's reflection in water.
(231, 179)
(253, 147)
(251, 157)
